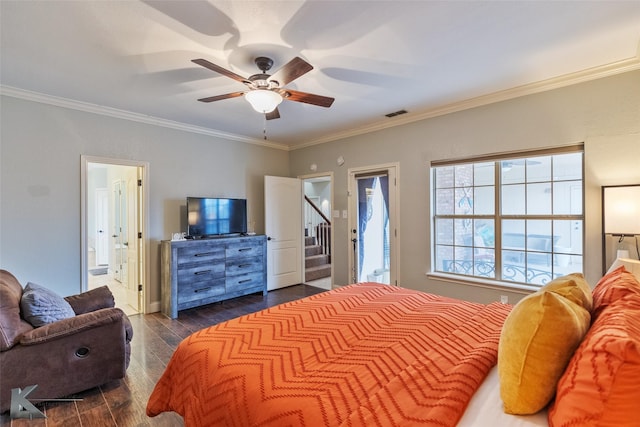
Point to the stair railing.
(317, 225)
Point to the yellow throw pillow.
(574, 287)
(536, 343)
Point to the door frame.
(333, 226)
(393, 171)
(143, 219)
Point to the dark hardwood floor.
(123, 402)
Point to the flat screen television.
(208, 217)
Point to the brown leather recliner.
(66, 356)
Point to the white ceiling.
(133, 58)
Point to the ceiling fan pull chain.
(264, 127)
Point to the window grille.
(515, 218)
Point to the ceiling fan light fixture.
(263, 100)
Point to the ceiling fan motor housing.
(264, 63)
(261, 81)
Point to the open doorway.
(112, 230)
(373, 223)
(318, 201)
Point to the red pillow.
(613, 286)
(600, 385)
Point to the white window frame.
(470, 270)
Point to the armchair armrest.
(92, 300)
(73, 325)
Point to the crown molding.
(128, 115)
(619, 67)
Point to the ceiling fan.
(267, 91)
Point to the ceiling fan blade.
(291, 71)
(220, 97)
(309, 98)
(275, 114)
(219, 69)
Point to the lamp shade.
(622, 210)
(263, 100)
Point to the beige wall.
(41, 147)
(604, 114)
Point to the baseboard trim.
(153, 307)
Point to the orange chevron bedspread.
(361, 355)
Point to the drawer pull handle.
(244, 281)
(244, 265)
(205, 254)
(244, 249)
(202, 272)
(203, 289)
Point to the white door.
(133, 242)
(283, 227)
(102, 226)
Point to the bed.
(361, 355)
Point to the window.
(515, 218)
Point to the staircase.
(317, 265)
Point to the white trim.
(619, 67)
(84, 161)
(128, 115)
(153, 307)
(483, 283)
(594, 73)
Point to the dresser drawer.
(199, 291)
(247, 249)
(244, 265)
(244, 281)
(196, 254)
(200, 273)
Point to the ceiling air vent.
(396, 113)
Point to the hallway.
(119, 292)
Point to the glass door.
(370, 238)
